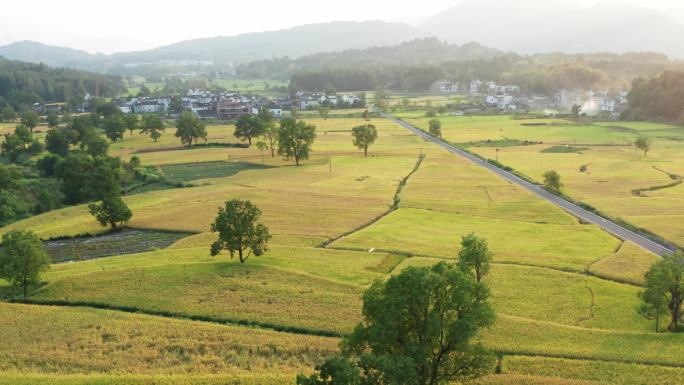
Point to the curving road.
(572, 208)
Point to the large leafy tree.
(552, 180)
(665, 288)
(295, 138)
(114, 126)
(190, 128)
(30, 120)
(435, 127)
(112, 210)
(248, 127)
(270, 133)
(153, 125)
(418, 329)
(239, 230)
(474, 256)
(132, 122)
(22, 259)
(364, 136)
(8, 114)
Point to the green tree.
(132, 122)
(248, 127)
(114, 126)
(111, 211)
(418, 329)
(30, 120)
(435, 128)
(295, 138)
(364, 136)
(576, 110)
(239, 230)
(95, 146)
(474, 256)
(665, 288)
(52, 120)
(189, 127)
(644, 143)
(365, 115)
(22, 259)
(552, 180)
(8, 115)
(270, 130)
(323, 112)
(153, 125)
(57, 141)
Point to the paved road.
(572, 208)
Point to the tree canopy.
(248, 127)
(665, 289)
(22, 259)
(239, 230)
(295, 138)
(364, 136)
(417, 329)
(190, 128)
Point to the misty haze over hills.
(523, 26)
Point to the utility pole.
(497, 155)
(330, 163)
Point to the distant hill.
(419, 52)
(34, 52)
(225, 50)
(538, 26)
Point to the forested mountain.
(427, 51)
(22, 84)
(416, 65)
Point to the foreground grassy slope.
(74, 340)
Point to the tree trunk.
(365, 152)
(674, 309)
(240, 255)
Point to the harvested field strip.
(122, 242)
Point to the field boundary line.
(395, 205)
(181, 316)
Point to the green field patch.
(433, 233)
(222, 291)
(563, 150)
(629, 264)
(554, 296)
(499, 143)
(186, 172)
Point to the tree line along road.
(588, 216)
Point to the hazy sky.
(125, 25)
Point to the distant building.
(232, 109)
(444, 87)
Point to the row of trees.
(658, 98)
(22, 84)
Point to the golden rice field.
(565, 292)
(614, 170)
